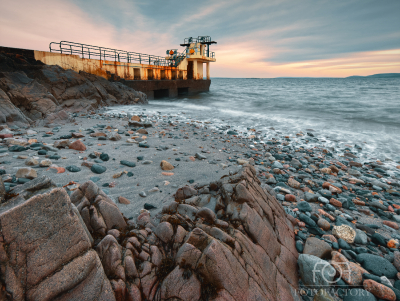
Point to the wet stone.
(307, 220)
(324, 224)
(104, 157)
(361, 238)
(73, 168)
(377, 265)
(54, 157)
(94, 179)
(149, 206)
(304, 206)
(98, 168)
(317, 247)
(127, 163)
(144, 145)
(310, 197)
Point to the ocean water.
(340, 112)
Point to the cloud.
(361, 63)
(255, 38)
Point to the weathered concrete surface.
(150, 86)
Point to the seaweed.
(208, 290)
(167, 266)
(9, 195)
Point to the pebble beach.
(343, 209)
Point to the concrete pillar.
(195, 69)
(208, 70)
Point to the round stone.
(98, 168)
(304, 206)
(344, 232)
(73, 168)
(128, 163)
(104, 157)
(361, 238)
(166, 165)
(324, 224)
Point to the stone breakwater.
(34, 93)
(343, 212)
(228, 240)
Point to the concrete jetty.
(176, 73)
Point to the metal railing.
(103, 53)
(199, 39)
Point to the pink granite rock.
(164, 231)
(49, 252)
(176, 285)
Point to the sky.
(263, 38)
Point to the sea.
(339, 112)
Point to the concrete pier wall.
(105, 68)
(155, 81)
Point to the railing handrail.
(67, 47)
(108, 52)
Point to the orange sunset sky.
(255, 38)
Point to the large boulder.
(98, 211)
(239, 246)
(60, 117)
(28, 94)
(10, 114)
(2, 191)
(31, 91)
(115, 93)
(45, 252)
(250, 255)
(315, 272)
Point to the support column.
(195, 70)
(208, 70)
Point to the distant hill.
(381, 75)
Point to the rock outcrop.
(31, 91)
(229, 240)
(10, 114)
(45, 251)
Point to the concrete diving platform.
(157, 76)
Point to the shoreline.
(320, 189)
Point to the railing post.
(89, 52)
(83, 56)
(70, 47)
(100, 53)
(140, 59)
(60, 48)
